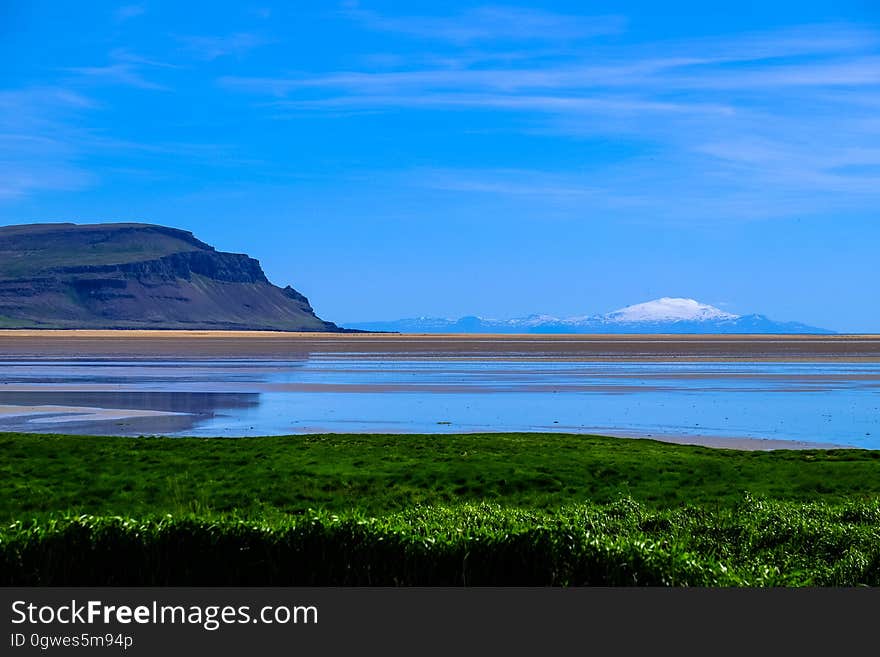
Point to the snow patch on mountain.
(668, 309)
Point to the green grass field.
(409, 509)
(387, 473)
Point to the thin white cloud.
(209, 48)
(850, 72)
(18, 182)
(793, 41)
(127, 12)
(506, 182)
(832, 58)
(123, 55)
(739, 117)
(118, 74)
(126, 69)
(29, 111)
(48, 142)
(46, 97)
(503, 79)
(35, 152)
(491, 23)
(545, 104)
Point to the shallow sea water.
(835, 403)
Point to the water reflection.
(186, 410)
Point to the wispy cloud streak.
(788, 114)
(491, 23)
(127, 12)
(209, 48)
(126, 69)
(35, 152)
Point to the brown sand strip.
(16, 344)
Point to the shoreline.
(98, 416)
(748, 444)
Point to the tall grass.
(757, 542)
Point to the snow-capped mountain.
(668, 309)
(665, 315)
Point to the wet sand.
(16, 344)
(736, 443)
(740, 444)
(95, 418)
(50, 413)
(447, 388)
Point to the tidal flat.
(744, 392)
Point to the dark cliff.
(138, 276)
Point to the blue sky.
(423, 158)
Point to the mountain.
(128, 275)
(666, 315)
(669, 310)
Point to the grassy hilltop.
(138, 276)
(437, 509)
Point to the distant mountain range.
(126, 275)
(118, 275)
(666, 315)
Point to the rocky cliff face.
(138, 276)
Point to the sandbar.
(44, 414)
(137, 344)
